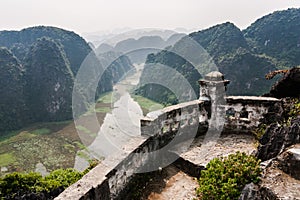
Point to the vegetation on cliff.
(19, 42)
(12, 101)
(117, 64)
(225, 178)
(244, 57)
(230, 52)
(49, 82)
(277, 35)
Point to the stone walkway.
(201, 154)
(178, 186)
(182, 186)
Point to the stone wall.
(172, 125)
(163, 131)
(246, 113)
(168, 132)
(174, 118)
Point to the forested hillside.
(244, 57)
(277, 35)
(12, 101)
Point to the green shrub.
(295, 108)
(18, 184)
(226, 177)
(62, 178)
(260, 131)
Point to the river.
(120, 131)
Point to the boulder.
(277, 138)
(288, 86)
(289, 161)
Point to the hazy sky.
(96, 15)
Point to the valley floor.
(44, 147)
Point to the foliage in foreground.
(18, 184)
(226, 177)
(295, 108)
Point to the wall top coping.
(155, 114)
(252, 98)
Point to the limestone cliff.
(49, 82)
(279, 147)
(12, 102)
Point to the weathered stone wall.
(174, 124)
(173, 118)
(177, 123)
(168, 132)
(245, 113)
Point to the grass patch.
(41, 131)
(98, 108)
(59, 123)
(83, 155)
(108, 97)
(70, 147)
(86, 131)
(7, 159)
(103, 109)
(81, 146)
(147, 104)
(38, 131)
(18, 137)
(51, 143)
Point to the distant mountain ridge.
(19, 42)
(113, 37)
(138, 49)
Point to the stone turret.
(212, 85)
(213, 92)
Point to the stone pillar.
(213, 92)
(212, 86)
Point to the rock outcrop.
(289, 161)
(277, 138)
(280, 178)
(288, 86)
(279, 147)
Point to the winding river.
(120, 131)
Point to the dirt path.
(177, 186)
(201, 153)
